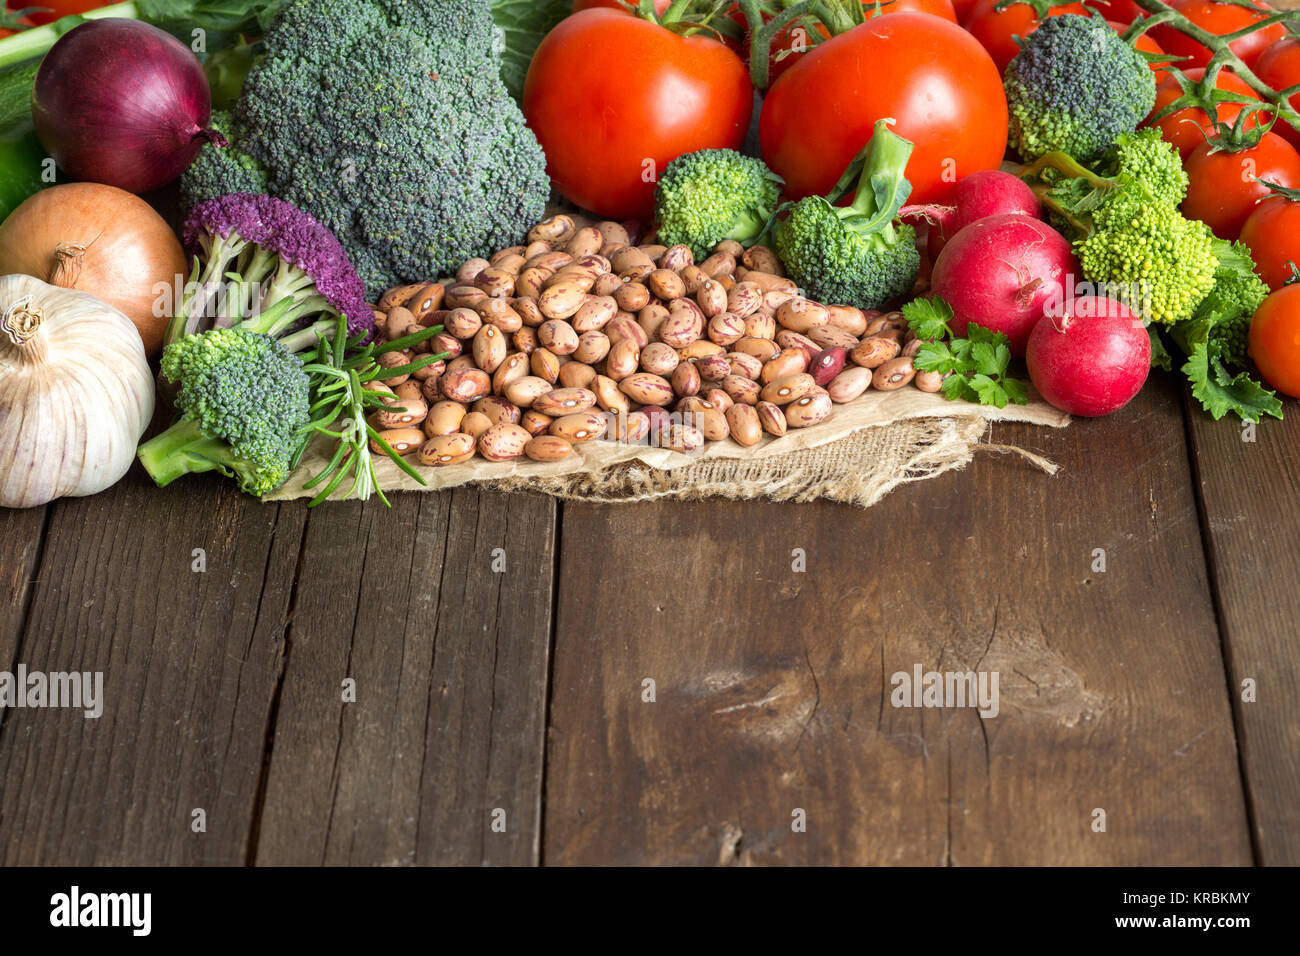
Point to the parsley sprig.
(974, 367)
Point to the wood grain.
(21, 535)
(450, 661)
(772, 686)
(1250, 494)
(190, 661)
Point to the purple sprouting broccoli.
(263, 265)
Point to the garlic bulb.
(76, 393)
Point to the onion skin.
(129, 251)
(122, 103)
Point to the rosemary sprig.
(340, 370)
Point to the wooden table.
(501, 716)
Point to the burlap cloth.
(867, 449)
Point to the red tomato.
(1183, 128)
(613, 99)
(931, 76)
(1273, 234)
(1279, 67)
(53, 9)
(1275, 340)
(1219, 19)
(1144, 44)
(997, 29)
(1224, 187)
(1120, 11)
(963, 8)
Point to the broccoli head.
(714, 194)
(1128, 232)
(266, 266)
(1075, 87)
(245, 407)
(859, 254)
(388, 121)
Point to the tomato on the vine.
(1186, 128)
(1273, 234)
(1275, 340)
(997, 29)
(930, 76)
(1219, 19)
(1279, 67)
(1223, 187)
(613, 99)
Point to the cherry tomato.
(613, 99)
(930, 76)
(1144, 44)
(1224, 187)
(1185, 128)
(1279, 67)
(1275, 340)
(1219, 19)
(1273, 234)
(997, 29)
(53, 9)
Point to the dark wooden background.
(518, 696)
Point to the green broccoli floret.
(388, 121)
(244, 399)
(221, 169)
(856, 255)
(1130, 237)
(1226, 312)
(1075, 87)
(714, 194)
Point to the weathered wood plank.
(449, 660)
(21, 534)
(772, 686)
(190, 661)
(1250, 494)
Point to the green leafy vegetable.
(523, 23)
(974, 367)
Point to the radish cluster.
(999, 265)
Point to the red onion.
(123, 103)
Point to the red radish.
(1000, 272)
(122, 103)
(1089, 356)
(989, 192)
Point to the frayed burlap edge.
(859, 469)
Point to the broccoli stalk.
(185, 449)
(858, 254)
